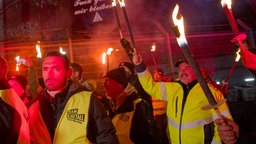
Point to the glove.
(128, 49)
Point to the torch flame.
(109, 51)
(39, 55)
(62, 51)
(17, 65)
(17, 58)
(180, 24)
(227, 3)
(104, 58)
(121, 2)
(238, 55)
(113, 3)
(153, 47)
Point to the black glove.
(128, 49)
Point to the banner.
(87, 14)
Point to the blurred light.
(217, 82)
(249, 79)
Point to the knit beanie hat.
(117, 75)
(129, 65)
(22, 80)
(177, 64)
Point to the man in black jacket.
(65, 112)
(131, 115)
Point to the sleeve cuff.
(141, 67)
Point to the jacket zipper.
(185, 95)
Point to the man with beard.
(66, 112)
(187, 122)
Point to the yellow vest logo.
(73, 115)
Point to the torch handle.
(128, 26)
(199, 75)
(231, 20)
(118, 21)
(154, 59)
(231, 71)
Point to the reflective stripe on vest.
(197, 122)
(163, 91)
(190, 124)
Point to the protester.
(159, 108)
(19, 84)
(77, 72)
(131, 115)
(187, 122)
(229, 130)
(13, 113)
(132, 77)
(66, 112)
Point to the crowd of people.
(139, 107)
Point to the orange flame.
(238, 55)
(17, 64)
(109, 51)
(113, 3)
(62, 51)
(227, 3)
(153, 47)
(180, 24)
(39, 55)
(121, 2)
(103, 58)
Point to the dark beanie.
(22, 80)
(129, 65)
(117, 75)
(177, 64)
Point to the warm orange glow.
(17, 64)
(62, 51)
(109, 51)
(153, 47)
(103, 58)
(39, 55)
(238, 55)
(227, 3)
(180, 24)
(17, 67)
(121, 2)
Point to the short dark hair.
(56, 53)
(77, 67)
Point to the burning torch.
(153, 49)
(122, 5)
(181, 39)
(117, 18)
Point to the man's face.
(186, 73)
(113, 88)
(74, 75)
(157, 77)
(55, 74)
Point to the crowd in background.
(139, 106)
